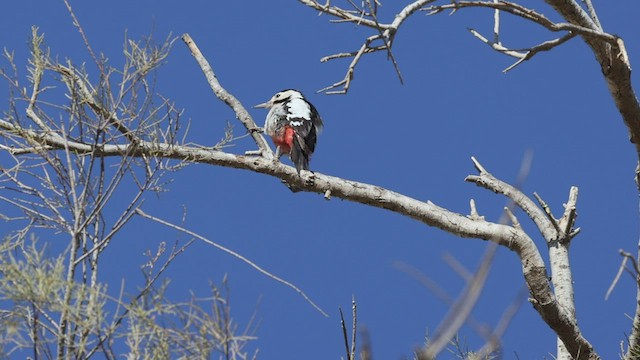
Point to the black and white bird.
(293, 124)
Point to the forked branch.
(367, 16)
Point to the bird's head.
(280, 97)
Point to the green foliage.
(151, 326)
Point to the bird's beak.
(263, 105)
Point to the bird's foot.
(307, 176)
(310, 178)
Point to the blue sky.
(415, 138)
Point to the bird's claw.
(310, 179)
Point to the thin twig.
(623, 265)
(340, 13)
(496, 25)
(568, 219)
(497, 46)
(547, 228)
(76, 23)
(387, 38)
(545, 46)
(354, 326)
(503, 324)
(457, 267)
(346, 81)
(462, 308)
(94, 104)
(344, 334)
(549, 214)
(386, 33)
(634, 262)
(234, 254)
(522, 54)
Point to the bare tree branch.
(623, 265)
(87, 44)
(222, 94)
(488, 181)
(350, 16)
(614, 63)
(527, 14)
(523, 54)
(461, 309)
(492, 338)
(557, 234)
(236, 255)
(366, 17)
(633, 346)
(387, 43)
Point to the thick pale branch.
(561, 275)
(533, 267)
(572, 12)
(592, 13)
(408, 11)
(344, 189)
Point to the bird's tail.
(300, 154)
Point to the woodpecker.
(293, 124)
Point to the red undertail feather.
(284, 140)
